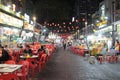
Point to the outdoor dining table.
(9, 68)
(25, 57)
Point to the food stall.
(9, 28)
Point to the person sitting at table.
(6, 48)
(4, 56)
(117, 47)
(17, 48)
(42, 50)
(27, 50)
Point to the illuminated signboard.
(26, 17)
(28, 26)
(102, 23)
(5, 8)
(9, 20)
(118, 28)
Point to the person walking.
(64, 44)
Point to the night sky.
(59, 11)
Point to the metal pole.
(86, 33)
(34, 18)
(113, 25)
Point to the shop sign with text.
(103, 23)
(9, 20)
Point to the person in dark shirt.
(42, 49)
(27, 50)
(4, 56)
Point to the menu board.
(9, 20)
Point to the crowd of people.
(102, 49)
(6, 52)
(98, 49)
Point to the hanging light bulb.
(76, 20)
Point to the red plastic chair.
(23, 73)
(8, 77)
(100, 59)
(21, 51)
(43, 60)
(16, 55)
(10, 62)
(109, 58)
(39, 60)
(33, 65)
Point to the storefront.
(27, 33)
(103, 35)
(9, 28)
(118, 31)
(37, 34)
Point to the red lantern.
(83, 19)
(48, 24)
(53, 23)
(76, 20)
(70, 23)
(64, 23)
(45, 22)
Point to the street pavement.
(64, 65)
